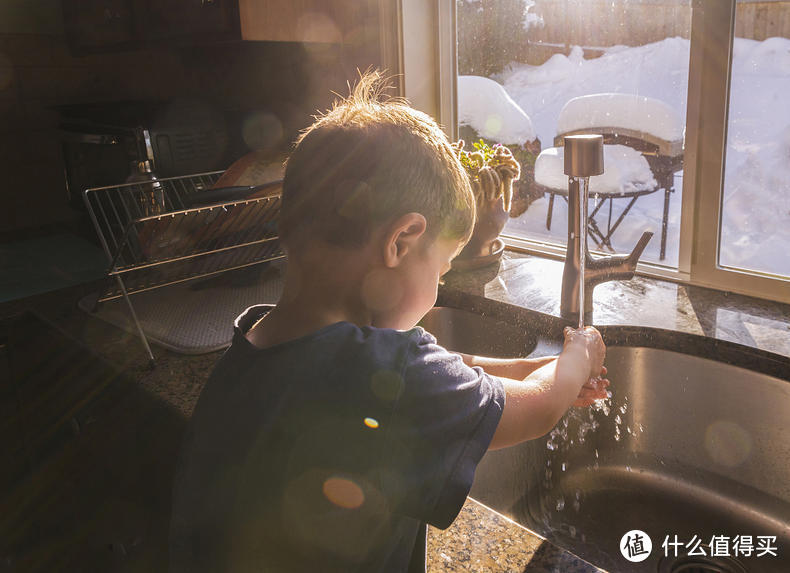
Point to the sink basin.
(694, 442)
(472, 333)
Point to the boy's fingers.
(597, 383)
(589, 394)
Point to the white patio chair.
(643, 148)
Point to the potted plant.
(492, 171)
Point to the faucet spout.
(618, 267)
(597, 271)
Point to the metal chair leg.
(594, 232)
(621, 217)
(549, 212)
(604, 239)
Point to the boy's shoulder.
(367, 334)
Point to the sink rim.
(548, 329)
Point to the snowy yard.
(756, 223)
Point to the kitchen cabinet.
(93, 26)
(186, 22)
(331, 21)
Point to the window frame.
(429, 69)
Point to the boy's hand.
(594, 389)
(591, 340)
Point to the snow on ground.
(756, 221)
(485, 105)
(756, 217)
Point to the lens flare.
(494, 124)
(261, 130)
(343, 492)
(371, 423)
(727, 443)
(318, 27)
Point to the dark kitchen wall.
(279, 83)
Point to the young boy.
(333, 429)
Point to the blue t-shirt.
(329, 452)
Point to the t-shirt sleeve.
(443, 423)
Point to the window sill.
(534, 282)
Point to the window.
(755, 221)
(728, 220)
(543, 68)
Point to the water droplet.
(578, 494)
(628, 468)
(560, 503)
(617, 419)
(596, 453)
(573, 531)
(563, 466)
(628, 429)
(641, 428)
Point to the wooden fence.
(597, 24)
(761, 20)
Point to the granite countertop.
(482, 540)
(479, 539)
(535, 283)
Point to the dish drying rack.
(165, 231)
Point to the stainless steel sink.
(472, 333)
(694, 444)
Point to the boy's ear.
(402, 236)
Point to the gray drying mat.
(193, 317)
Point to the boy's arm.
(534, 405)
(514, 368)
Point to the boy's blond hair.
(367, 161)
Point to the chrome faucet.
(583, 158)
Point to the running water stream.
(583, 193)
(583, 158)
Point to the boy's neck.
(321, 288)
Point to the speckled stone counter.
(535, 283)
(480, 539)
